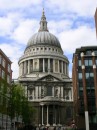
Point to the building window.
(88, 53)
(79, 62)
(95, 52)
(3, 63)
(90, 62)
(86, 62)
(8, 79)
(91, 74)
(79, 75)
(49, 91)
(96, 61)
(3, 74)
(87, 75)
(9, 68)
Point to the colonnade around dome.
(44, 65)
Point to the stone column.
(25, 67)
(47, 115)
(53, 65)
(54, 116)
(62, 66)
(28, 66)
(59, 114)
(42, 114)
(58, 67)
(22, 68)
(43, 65)
(48, 65)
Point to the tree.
(4, 86)
(19, 105)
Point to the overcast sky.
(72, 21)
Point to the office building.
(84, 77)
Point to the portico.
(50, 113)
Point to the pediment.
(49, 78)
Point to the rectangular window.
(90, 62)
(96, 61)
(91, 74)
(79, 62)
(87, 75)
(49, 91)
(3, 74)
(9, 68)
(8, 79)
(86, 62)
(3, 63)
(95, 52)
(88, 52)
(79, 75)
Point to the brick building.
(84, 76)
(5, 67)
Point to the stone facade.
(43, 70)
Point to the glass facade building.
(85, 84)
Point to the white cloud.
(59, 26)
(6, 4)
(75, 38)
(25, 30)
(5, 26)
(80, 7)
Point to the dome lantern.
(43, 23)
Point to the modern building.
(43, 70)
(96, 21)
(84, 77)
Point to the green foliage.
(20, 104)
(14, 102)
(3, 96)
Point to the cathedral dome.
(43, 37)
